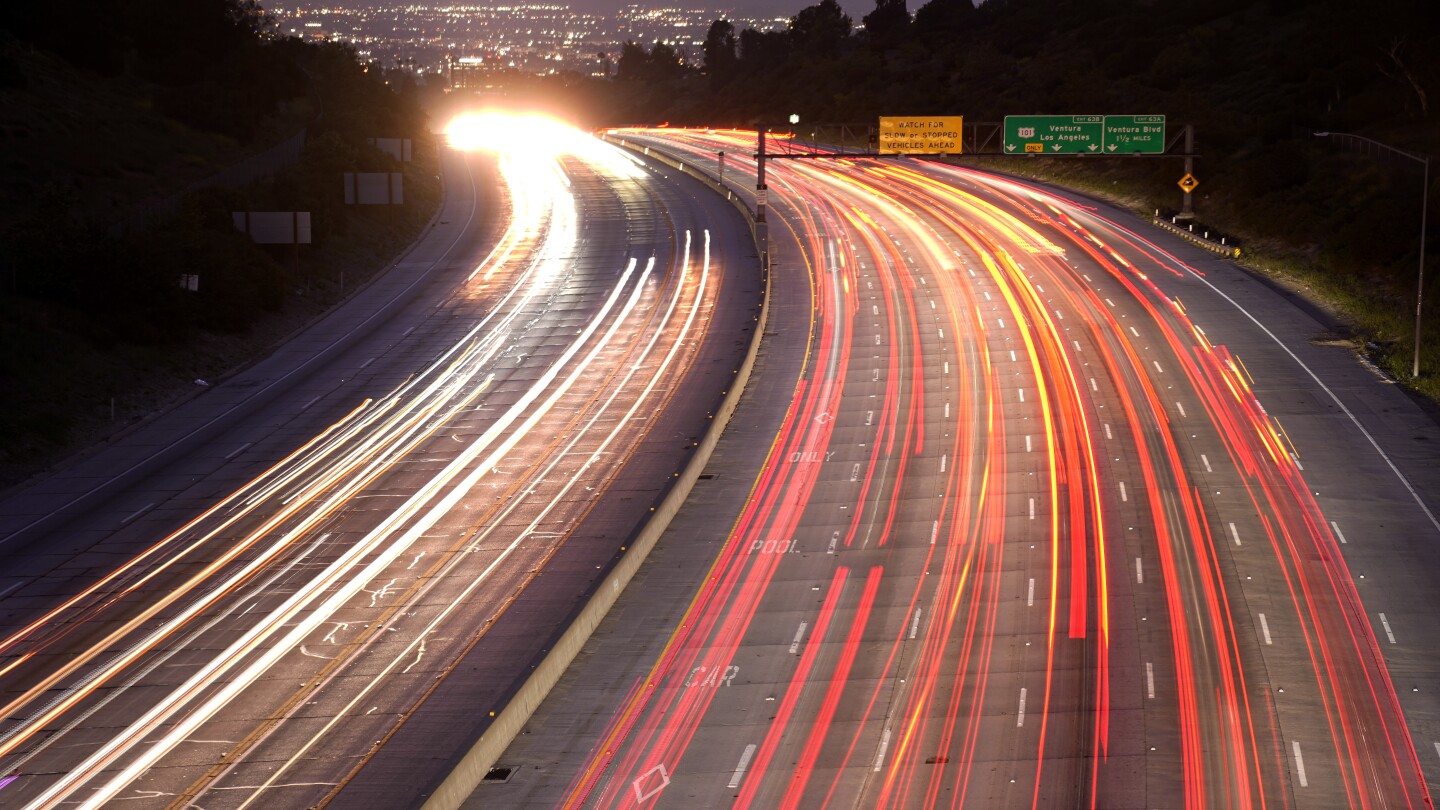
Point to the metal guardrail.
(1201, 239)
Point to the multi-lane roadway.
(1031, 507)
(317, 582)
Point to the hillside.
(120, 176)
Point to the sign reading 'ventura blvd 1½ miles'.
(920, 135)
(1084, 134)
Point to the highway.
(1037, 508)
(320, 573)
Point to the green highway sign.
(1054, 134)
(1130, 134)
(1084, 134)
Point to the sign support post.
(1187, 206)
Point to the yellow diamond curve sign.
(1188, 183)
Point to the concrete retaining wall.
(476, 763)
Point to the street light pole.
(1424, 161)
(1420, 282)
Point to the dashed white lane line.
(1022, 394)
(799, 635)
(1156, 364)
(307, 405)
(1437, 749)
(1235, 534)
(1133, 332)
(1206, 462)
(1265, 628)
(915, 623)
(744, 763)
(1139, 571)
(407, 332)
(1094, 386)
(1020, 716)
(1029, 448)
(1149, 680)
(884, 744)
(1409, 487)
(1030, 594)
(1385, 623)
(237, 451)
(1123, 495)
(942, 461)
(137, 513)
(1000, 321)
(1108, 434)
(1032, 508)
(1181, 408)
(367, 363)
(1299, 764)
(1338, 534)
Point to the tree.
(763, 50)
(719, 50)
(665, 63)
(889, 23)
(820, 29)
(634, 62)
(943, 19)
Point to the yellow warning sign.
(920, 135)
(1188, 183)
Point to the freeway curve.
(317, 582)
(1054, 513)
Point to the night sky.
(608, 6)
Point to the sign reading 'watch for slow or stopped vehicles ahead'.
(920, 135)
(1084, 134)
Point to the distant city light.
(537, 38)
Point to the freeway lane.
(1027, 536)
(402, 531)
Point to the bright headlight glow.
(513, 133)
(530, 137)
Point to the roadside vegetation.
(122, 127)
(1256, 79)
